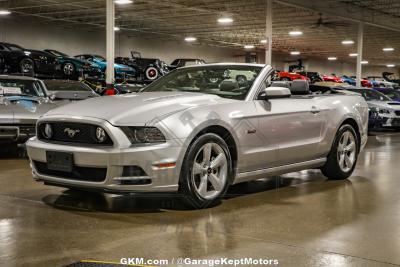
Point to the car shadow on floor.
(153, 203)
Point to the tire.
(151, 73)
(69, 70)
(2, 65)
(27, 66)
(342, 158)
(201, 184)
(286, 79)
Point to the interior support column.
(110, 9)
(268, 34)
(359, 53)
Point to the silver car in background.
(24, 99)
(196, 131)
(387, 109)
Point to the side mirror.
(274, 93)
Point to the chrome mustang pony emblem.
(71, 132)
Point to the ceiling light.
(263, 41)
(190, 39)
(364, 62)
(225, 20)
(116, 29)
(5, 12)
(388, 49)
(123, 2)
(353, 54)
(294, 53)
(390, 65)
(332, 58)
(248, 46)
(295, 33)
(348, 42)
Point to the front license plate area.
(59, 161)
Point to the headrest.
(229, 85)
(280, 84)
(300, 87)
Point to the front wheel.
(343, 156)
(287, 79)
(69, 70)
(206, 171)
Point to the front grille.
(397, 112)
(84, 133)
(78, 173)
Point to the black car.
(312, 75)
(182, 62)
(147, 69)
(15, 59)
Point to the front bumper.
(113, 159)
(391, 121)
(16, 133)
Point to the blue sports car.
(121, 71)
(347, 79)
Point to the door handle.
(314, 110)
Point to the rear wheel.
(27, 66)
(285, 79)
(151, 73)
(206, 172)
(343, 156)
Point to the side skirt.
(258, 174)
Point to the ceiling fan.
(329, 24)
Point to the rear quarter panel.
(336, 109)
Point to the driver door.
(293, 124)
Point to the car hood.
(25, 110)
(137, 109)
(120, 66)
(393, 105)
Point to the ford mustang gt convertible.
(196, 131)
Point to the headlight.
(138, 135)
(48, 131)
(101, 135)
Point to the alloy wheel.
(210, 171)
(346, 152)
(68, 69)
(26, 66)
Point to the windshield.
(57, 53)
(393, 94)
(371, 95)
(225, 81)
(100, 58)
(27, 87)
(54, 85)
(13, 47)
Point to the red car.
(364, 82)
(332, 78)
(290, 76)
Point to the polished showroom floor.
(300, 219)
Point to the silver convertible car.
(196, 131)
